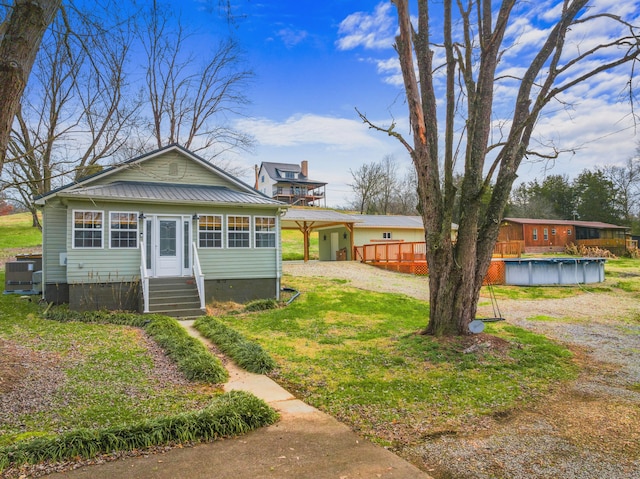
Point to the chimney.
(304, 166)
(255, 167)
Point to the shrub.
(246, 354)
(233, 413)
(261, 305)
(589, 252)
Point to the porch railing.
(197, 274)
(144, 277)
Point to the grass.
(292, 245)
(106, 375)
(355, 354)
(17, 232)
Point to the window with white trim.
(123, 230)
(386, 235)
(238, 232)
(569, 232)
(87, 229)
(210, 231)
(535, 234)
(545, 233)
(265, 231)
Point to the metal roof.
(273, 169)
(40, 199)
(384, 221)
(142, 191)
(317, 215)
(582, 224)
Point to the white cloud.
(291, 37)
(371, 31)
(310, 129)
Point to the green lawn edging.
(233, 413)
(247, 354)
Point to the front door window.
(168, 238)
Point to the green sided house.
(164, 232)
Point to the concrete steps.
(175, 297)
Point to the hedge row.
(233, 413)
(246, 354)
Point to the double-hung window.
(535, 234)
(210, 231)
(123, 230)
(238, 232)
(88, 227)
(265, 231)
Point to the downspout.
(281, 212)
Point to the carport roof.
(315, 217)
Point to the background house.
(157, 230)
(541, 236)
(290, 184)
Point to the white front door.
(169, 248)
(334, 246)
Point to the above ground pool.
(546, 271)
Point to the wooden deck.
(411, 258)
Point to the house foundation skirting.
(240, 290)
(123, 296)
(56, 293)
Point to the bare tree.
(471, 45)
(368, 181)
(191, 96)
(389, 187)
(626, 181)
(21, 32)
(76, 111)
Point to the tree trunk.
(22, 34)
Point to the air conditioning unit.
(19, 275)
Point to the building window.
(87, 229)
(262, 178)
(289, 174)
(210, 231)
(123, 230)
(553, 231)
(535, 234)
(265, 231)
(545, 233)
(569, 232)
(386, 235)
(238, 232)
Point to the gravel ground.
(589, 430)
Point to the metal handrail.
(144, 277)
(197, 274)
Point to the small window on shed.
(545, 233)
(535, 234)
(553, 231)
(386, 235)
(569, 232)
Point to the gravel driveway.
(590, 429)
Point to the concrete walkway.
(305, 443)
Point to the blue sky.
(315, 62)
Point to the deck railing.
(144, 277)
(199, 277)
(508, 249)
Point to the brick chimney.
(304, 166)
(255, 167)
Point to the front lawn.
(97, 375)
(356, 355)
